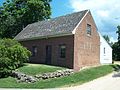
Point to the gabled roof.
(59, 26)
(103, 39)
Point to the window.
(62, 51)
(104, 50)
(88, 30)
(34, 51)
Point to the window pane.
(88, 29)
(34, 50)
(62, 51)
(104, 50)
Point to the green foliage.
(5, 66)
(106, 37)
(115, 52)
(18, 54)
(78, 78)
(8, 42)
(116, 46)
(17, 14)
(118, 32)
(12, 55)
(3, 51)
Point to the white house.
(105, 51)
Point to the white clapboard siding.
(105, 51)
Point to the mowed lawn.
(74, 79)
(33, 69)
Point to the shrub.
(18, 54)
(3, 51)
(5, 66)
(12, 55)
(8, 42)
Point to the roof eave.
(46, 37)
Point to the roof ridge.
(47, 20)
(62, 25)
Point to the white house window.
(62, 51)
(104, 50)
(88, 30)
(34, 50)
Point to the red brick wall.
(86, 48)
(55, 42)
(81, 49)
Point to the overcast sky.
(106, 13)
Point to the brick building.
(70, 41)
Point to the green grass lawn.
(74, 79)
(33, 69)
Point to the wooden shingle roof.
(62, 25)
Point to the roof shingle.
(57, 26)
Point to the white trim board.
(73, 32)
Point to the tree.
(115, 52)
(118, 43)
(116, 46)
(17, 14)
(118, 32)
(106, 37)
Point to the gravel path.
(104, 83)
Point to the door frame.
(48, 54)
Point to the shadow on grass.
(117, 70)
(48, 65)
(116, 67)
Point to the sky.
(106, 13)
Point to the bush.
(5, 66)
(12, 56)
(3, 51)
(18, 54)
(8, 42)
